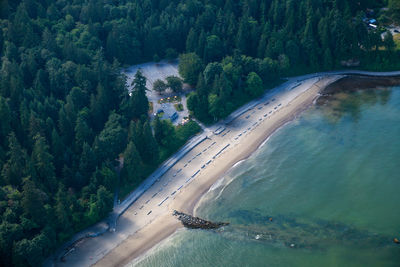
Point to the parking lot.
(154, 71)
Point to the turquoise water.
(330, 183)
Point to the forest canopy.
(66, 115)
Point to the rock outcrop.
(192, 222)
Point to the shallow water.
(323, 191)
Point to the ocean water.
(323, 191)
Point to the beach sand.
(138, 231)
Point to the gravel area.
(160, 70)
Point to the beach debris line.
(165, 199)
(192, 222)
(225, 147)
(195, 173)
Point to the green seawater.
(330, 182)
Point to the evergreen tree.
(62, 211)
(43, 163)
(17, 165)
(192, 102)
(213, 50)
(201, 109)
(201, 43)
(191, 41)
(150, 155)
(32, 202)
(57, 150)
(190, 66)
(112, 139)
(87, 162)
(214, 106)
(308, 40)
(133, 168)
(243, 36)
(83, 132)
(9, 233)
(158, 131)
(138, 103)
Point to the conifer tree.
(43, 163)
(150, 154)
(32, 202)
(133, 168)
(17, 165)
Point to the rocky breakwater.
(192, 222)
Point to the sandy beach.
(183, 186)
(149, 219)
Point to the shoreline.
(135, 248)
(128, 244)
(247, 154)
(219, 181)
